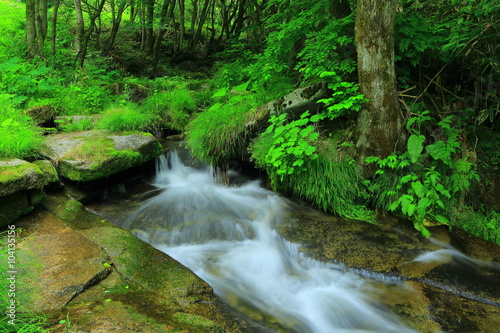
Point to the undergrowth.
(26, 320)
(126, 118)
(219, 133)
(333, 186)
(19, 137)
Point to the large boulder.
(90, 155)
(42, 115)
(293, 104)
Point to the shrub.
(323, 178)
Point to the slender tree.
(53, 35)
(79, 26)
(31, 28)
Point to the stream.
(227, 236)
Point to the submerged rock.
(90, 155)
(452, 275)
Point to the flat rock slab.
(17, 175)
(57, 262)
(126, 285)
(90, 155)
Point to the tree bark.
(379, 122)
(79, 26)
(54, 28)
(31, 42)
(117, 19)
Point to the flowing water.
(226, 235)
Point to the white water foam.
(226, 236)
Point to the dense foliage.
(204, 67)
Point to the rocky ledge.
(85, 272)
(21, 187)
(91, 155)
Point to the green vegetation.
(219, 133)
(18, 135)
(126, 118)
(428, 179)
(25, 319)
(207, 69)
(286, 146)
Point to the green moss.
(10, 174)
(49, 171)
(197, 322)
(105, 159)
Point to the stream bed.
(229, 236)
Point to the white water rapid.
(225, 234)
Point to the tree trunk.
(161, 32)
(182, 27)
(41, 24)
(149, 38)
(379, 122)
(54, 28)
(117, 19)
(82, 53)
(31, 28)
(77, 45)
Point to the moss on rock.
(90, 155)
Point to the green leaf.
(411, 209)
(242, 87)
(439, 151)
(317, 117)
(215, 106)
(415, 146)
(7, 122)
(306, 131)
(441, 219)
(313, 136)
(408, 178)
(220, 93)
(423, 204)
(309, 150)
(418, 187)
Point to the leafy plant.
(288, 144)
(429, 176)
(345, 97)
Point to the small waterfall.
(226, 235)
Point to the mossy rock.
(17, 175)
(90, 155)
(13, 207)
